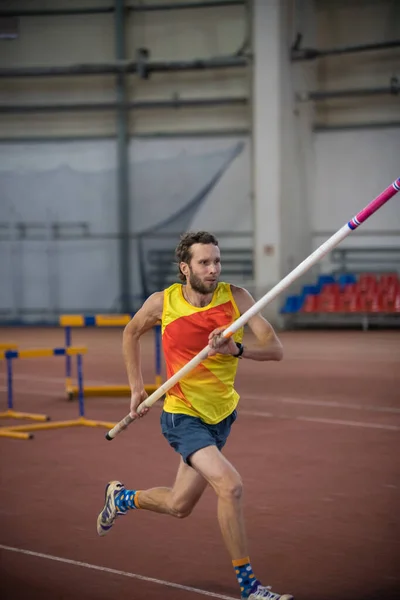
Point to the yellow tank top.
(207, 391)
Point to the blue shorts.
(188, 434)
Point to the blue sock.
(127, 499)
(245, 576)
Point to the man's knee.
(219, 473)
(230, 488)
(180, 508)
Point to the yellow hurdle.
(12, 414)
(9, 433)
(24, 432)
(44, 352)
(94, 320)
(94, 391)
(72, 321)
(80, 422)
(104, 320)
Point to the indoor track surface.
(317, 444)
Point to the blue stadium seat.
(292, 305)
(310, 289)
(323, 279)
(346, 278)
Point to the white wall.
(351, 23)
(352, 168)
(352, 165)
(188, 34)
(170, 35)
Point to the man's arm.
(268, 345)
(147, 316)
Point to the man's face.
(204, 269)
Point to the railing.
(365, 260)
(154, 250)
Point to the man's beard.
(199, 286)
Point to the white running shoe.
(110, 511)
(265, 592)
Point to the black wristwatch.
(241, 350)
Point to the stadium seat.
(292, 305)
(371, 303)
(388, 280)
(350, 288)
(389, 303)
(367, 282)
(391, 292)
(349, 303)
(346, 278)
(328, 303)
(389, 286)
(310, 304)
(331, 289)
(325, 279)
(310, 289)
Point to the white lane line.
(256, 413)
(349, 423)
(333, 404)
(328, 403)
(77, 563)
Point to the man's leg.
(211, 464)
(179, 500)
(226, 481)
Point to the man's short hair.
(183, 251)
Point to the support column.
(122, 165)
(282, 151)
(266, 144)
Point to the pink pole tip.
(379, 201)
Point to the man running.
(200, 409)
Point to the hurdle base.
(9, 433)
(12, 414)
(106, 390)
(81, 422)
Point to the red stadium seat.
(329, 289)
(389, 280)
(388, 304)
(392, 291)
(310, 304)
(389, 289)
(371, 303)
(367, 283)
(328, 303)
(350, 288)
(349, 303)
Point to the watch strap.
(241, 350)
